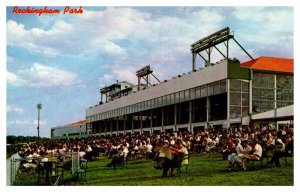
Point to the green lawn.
(203, 171)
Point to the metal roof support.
(155, 77)
(243, 48)
(146, 79)
(202, 57)
(220, 52)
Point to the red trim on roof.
(78, 122)
(271, 64)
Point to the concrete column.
(207, 109)
(275, 95)
(228, 103)
(111, 124)
(250, 97)
(162, 119)
(132, 124)
(151, 121)
(194, 61)
(175, 117)
(124, 123)
(141, 122)
(105, 126)
(117, 125)
(190, 115)
(86, 129)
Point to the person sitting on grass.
(255, 154)
(119, 158)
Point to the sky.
(62, 60)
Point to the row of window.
(178, 97)
(269, 94)
(239, 86)
(263, 96)
(170, 115)
(285, 81)
(285, 95)
(264, 89)
(263, 80)
(239, 98)
(263, 106)
(267, 80)
(236, 111)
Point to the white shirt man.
(256, 154)
(237, 156)
(149, 148)
(257, 150)
(125, 152)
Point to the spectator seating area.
(71, 156)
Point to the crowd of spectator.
(237, 145)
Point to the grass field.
(203, 171)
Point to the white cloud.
(14, 110)
(27, 127)
(163, 41)
(210, 16)
(18, 36)
(120, 74)
(99, 32)
(125, 75)
(26, 123)
(272, 18)
(131, 37)
(11, 78)
(42, 76)
(270, 30)
(105, 80)
(107, 47)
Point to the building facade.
(224, 94)
(73, 130)
(272, 88)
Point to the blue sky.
(62, 61)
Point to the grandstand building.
(73, 130)
(219, 95)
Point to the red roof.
(78, 122)
(271, 64)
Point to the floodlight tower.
(144, 73)
(39, 107)
(210, 42)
